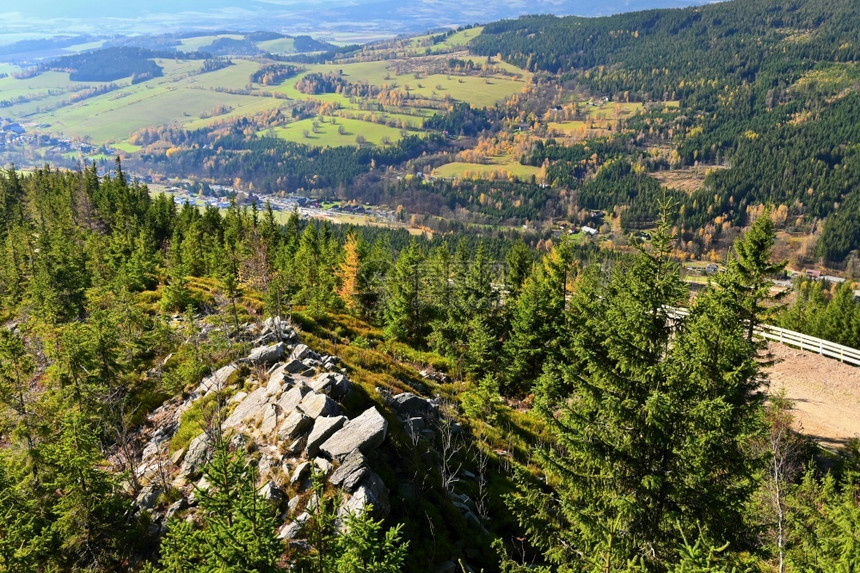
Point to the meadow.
(329, 134)
(187, 97)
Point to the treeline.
(110, 64)
(274, 74)
(275, 165)
(462, 119)
(333, 82)
(819, 310)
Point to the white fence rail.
(845, 354)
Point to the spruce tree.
(406, 305)
(237, 530)
(650, 417)
(538, 319)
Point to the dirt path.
(826, 393)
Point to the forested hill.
(767, 87)
(729, 41)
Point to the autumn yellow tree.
(348, 272)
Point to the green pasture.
(477, 91)
(243, 106)
(278, 46)
(126, 147)
(614, 110)
(404, 120)
(455, 41)
(234, 77)
(196, 43)
(78, 48)
(105, 120)
(566, 127)
(327, 134)
(459, 170)
(373, 73)
(40, 85)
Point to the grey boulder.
(350, 473)
(316, 405)
(264, 355)
(324, 427)
(364, 432)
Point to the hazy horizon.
(335, 19)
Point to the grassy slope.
(457, 169)
(192, 44)
(327, 134)
(279, 46)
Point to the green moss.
(194, 421)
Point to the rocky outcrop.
(324, 427)
(365, 432)
(408, 405)
(291, 418)
(371, 491)
(265, 355)
(350, 473)
(316, 405)
(196, 457)
(295, 425)
(334, 385)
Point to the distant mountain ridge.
(371, 18)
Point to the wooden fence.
(844, 354)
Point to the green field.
(126, 147)
(566, 127)
(460, 170)
(180, 98)
(196, 43)
(478, 91)
(454, 42)
(279, 46)
(187, 98)
(77, 48)
(235, 77)
(475, 90)
(327, 135)
(613, 110)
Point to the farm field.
(198, 42)
(186, 97)
(328, 135)
(454, 41)
(463, 170)
(278, 46)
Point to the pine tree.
(25, 542)
(16, 370)
(406, 306)
(88, 513)
(237, 530)
(749, 273)
(538, 319)
(649, 436)
(520, 262)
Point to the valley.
(347, 287)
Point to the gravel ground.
(825, 392)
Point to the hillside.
(181, 387)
